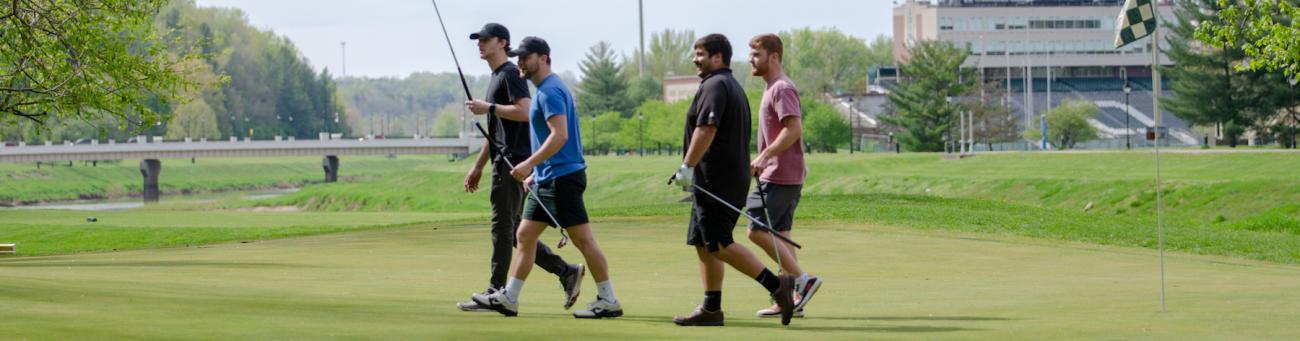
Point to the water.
(131, 203)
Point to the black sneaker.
(572, 284)
(700, 317)
(784, 297)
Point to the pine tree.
(603, 87)
(931, 77)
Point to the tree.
(195, 120)
(930, 79)
(824, 128)
(603, 87)
(825, 60)
(663, 124)
(994, 120)
(1067, 124)
(448, 123)
(669, 54)
(84, 60)
(643, 88)
(1208, 88)
(1266, 31)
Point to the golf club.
(564, 237)
(463, 83)
(751, 218)
(762, 195)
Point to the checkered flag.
(1137, 20)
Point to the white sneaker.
(600, 308)
(776, 312)
(498, 301)
(805, 291)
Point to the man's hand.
(472, 179)
(522, 171)
(528, 184)
(759, 164)
(684, 177)
(478, 107)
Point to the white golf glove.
(684, 177)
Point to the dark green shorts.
(563, 198)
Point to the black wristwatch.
(492, 109)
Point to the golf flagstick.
(769, 229)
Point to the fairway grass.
(881, 282)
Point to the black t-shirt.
(721, 102)
(507, 87)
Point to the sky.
(390, 38)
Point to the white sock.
(513, 287)
(606, 290)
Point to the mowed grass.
(25, 183)
(881, 282)
(1244, 205)
(58, 232)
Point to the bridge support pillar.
(150, 168)
(331, 165)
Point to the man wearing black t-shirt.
(507, 118)
(717, 161)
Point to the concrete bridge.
(150, 153)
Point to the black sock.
(712, 301)
(768, 280)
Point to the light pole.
(595, 135)
(640, 138)
(1128, 143)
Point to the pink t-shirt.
(781, 100)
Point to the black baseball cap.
(491, 30)
(531, 45)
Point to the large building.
(1018, 43)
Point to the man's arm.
(789, 135)
(517, 112)
(701, 139)
(476, 173)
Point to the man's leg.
(585, 241)
(506, 301)
(529, 232)
(780, 208)
(513, 201)
(505, 217)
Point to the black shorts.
(563, 198)
(782, 200)
(712, 223)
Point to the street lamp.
(1128, 144)
(640, 138)
(595, 135)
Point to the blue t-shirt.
(553, 98)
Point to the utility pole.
(640, 8)
(344, 46)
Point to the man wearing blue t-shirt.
(556, 174)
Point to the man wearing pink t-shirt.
(779, 166)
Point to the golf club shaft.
(512, 166)
(463, 83)
(751, 218)
(762, 195)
